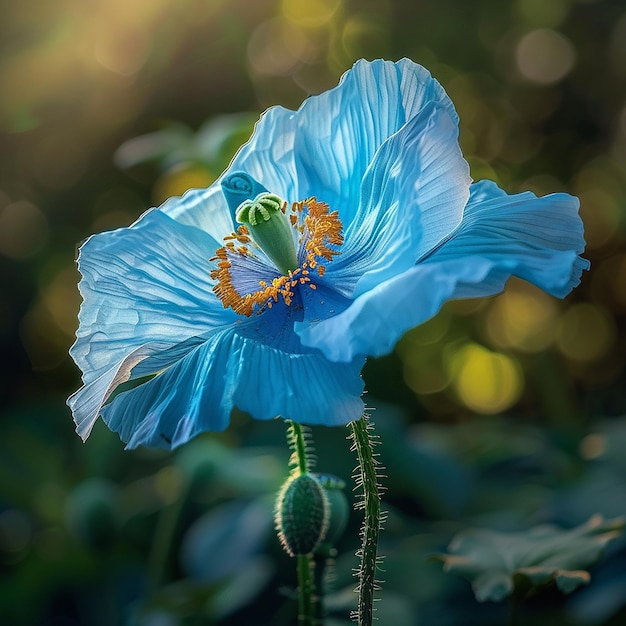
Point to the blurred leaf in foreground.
(498, 564)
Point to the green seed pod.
(302, 513)
(271, 230)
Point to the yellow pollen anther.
(319, 237)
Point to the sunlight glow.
(486, 382)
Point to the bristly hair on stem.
(367, 475)
(300, 443)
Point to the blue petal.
(537, 239)
(269, 155)
(340, 131)
(325, 147)
(375, 321)
(412, 197)
(145, 289)
(205, 209)
(87, 402)
(187, 398)
(232, 368)
(298, 384)
(239, 187)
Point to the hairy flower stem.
(367, 478)
(319, 573)
(305, 590)
(306, 586)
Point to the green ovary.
(270, 228)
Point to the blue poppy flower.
(359, 220)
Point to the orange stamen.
(320, 235)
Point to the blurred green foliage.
(110, 107)
(519, 564)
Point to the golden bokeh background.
(108, 107)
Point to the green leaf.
(213, 145)
(172, 144)
(499, 563)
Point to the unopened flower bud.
(302, 514)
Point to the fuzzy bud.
(302, 514)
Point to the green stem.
(367, 477)
(305, 590)
(306, 586)
(319, 572)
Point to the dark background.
(90, 534)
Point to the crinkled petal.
(537, 239)
(340, 131)
(325, 147)
(299, 385)
(232, 369)
(189, 397)
(269, 156)
(147, 283)
(375, 321)
(205, 209)
(88, 401)
(412, 197)
(146, 289)
(540, 237)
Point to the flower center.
(267, 223)
(275, 252)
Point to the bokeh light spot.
(608, 282)
(277, 47)
(522, 318)
(486, 382)
(179, 179)
(593, 446)
(47, 328)
(619, 284)
(312, 13)
(585, 332)
(466, 306)
(115, 207)
(544, 56)
(425, 377)
(428, 333)
(363, 34)
(123, 49)
(23, 230)
(419, 349)
(168, 483)
(542, 13)
(600, 214)
(61, 299)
